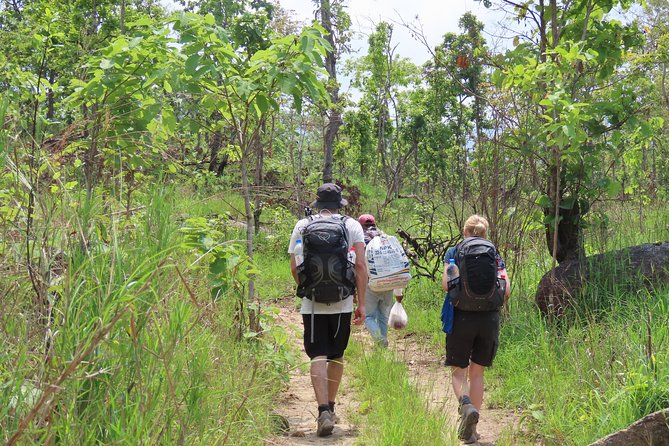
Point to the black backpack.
(479, 288)
(326, 275)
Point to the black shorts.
(331, 333)
(475, 338)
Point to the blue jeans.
(377, 309)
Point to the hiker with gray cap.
(329, 284)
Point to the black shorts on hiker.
(331, 333)
(475, 337)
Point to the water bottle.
(351, 255)
(452, 273)
(298, 252)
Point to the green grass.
(392, 411)
(595, 373)
(166, 369)
(139, 352)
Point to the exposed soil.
(426, 370)
(298, 404)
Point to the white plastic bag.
(398, 317)
(387, 264)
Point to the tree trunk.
(260, 159)
(567, 244)
(564, 233)
(214, 147)
(50, 97)
(122, 17)
(91, 156)
(334, 115)
(246, 191)
(416, 171)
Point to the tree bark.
(215, 144)
(566, 244)
(334, 115)
(122, 17)
(250, 223)
(260, 159)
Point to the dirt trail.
(426, 371)
(432, 379)
(298, 403)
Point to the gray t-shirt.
(355, 235)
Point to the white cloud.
(437, 17)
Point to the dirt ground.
(426, 370)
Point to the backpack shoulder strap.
(310, 218)
(343, 223)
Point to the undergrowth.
(130, 346)
(394, 411)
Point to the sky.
(436, 17)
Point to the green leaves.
(227, 263)
(544, 201)
(192, 63)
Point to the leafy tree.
(76, 29)
(336, 23)
(247, 26)
(577, 111)
(246, 91)
(382, 76)
(652, 69)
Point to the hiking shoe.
(471, 440)
(335, 417)
(325, 424)
(469, 417)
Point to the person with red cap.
(377, 303)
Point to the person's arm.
(361, 279)
(444, 278)
(291, 246)
(293, 268)
(450, 254)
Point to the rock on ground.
(639, 266)
(652, 430)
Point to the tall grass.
(134, 350)
(578, 382)
(578, 379)
(395, 412)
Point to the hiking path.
(426, 370)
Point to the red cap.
(367, 220)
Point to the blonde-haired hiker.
(470, 318)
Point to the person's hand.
(399, 298)
(359, 315)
